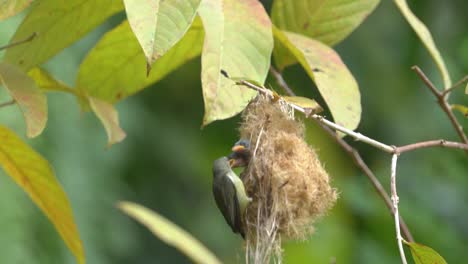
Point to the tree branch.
(431, 143)
(456, 85)
(442, 100)
(395, 207)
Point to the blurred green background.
(165, 161)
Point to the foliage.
(236, 36)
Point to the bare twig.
(455, 86)
(431, 143)
(281, 82)
(31, 37)
(441, 99)
(395, 207)
(7, 103)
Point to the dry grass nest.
(289, 187)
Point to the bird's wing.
(226, 199)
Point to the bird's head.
(240, 155)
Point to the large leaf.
(425, 255)
(109, 118)
(10, 8)
(160, 24)
(48, 83)
(335, 82)
(31, 101)
(57, 24)
(238, 40)
(169, 233)
(426, 38)
(115, 67)
(329, 21)
(35, 176)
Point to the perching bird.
(241, 154)
(229, 194)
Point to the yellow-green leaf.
(30, 99)
(426, 38)
(169, 233)
(35, 176)
(308, 104)
(463, 109)
(10, 8)
(329, 21)
(159, 24)
(48, 83)
(115, 67)
(425, 255)
(238, 40)
(57, 24)
(109, 118)
(334, 81)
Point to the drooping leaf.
(461, 108)
(159, 24)
(115, 67)
(426, 38)
(310, 105)
(328, 21)
(425, 255)
(238, 40)
(30, 99)
(334, 81)
(169, 233)
(57, 24)
(9, 8)
(109, 118)
(35, 176)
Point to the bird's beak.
(238, 148)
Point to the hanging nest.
(289, 187)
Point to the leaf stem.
(31, 37)
(7, 103)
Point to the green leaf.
(159, 25)
(35, 176)
(169, 233)
(115, 67)
(328, 21)
(334, 81)
(48, 83)
(425, 255)
(238, 40)
(57, 24)
(9, 8)
(426, 38)
(109, 118)
(30, 99)
(463, 109)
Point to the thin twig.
(281, 82)
(441, 99)
(431, 143)
(7, 103)
(455, 86)
(395, 207)
(31, 37)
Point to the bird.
(241, 154)
(229, 193)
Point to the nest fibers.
(289, 187)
